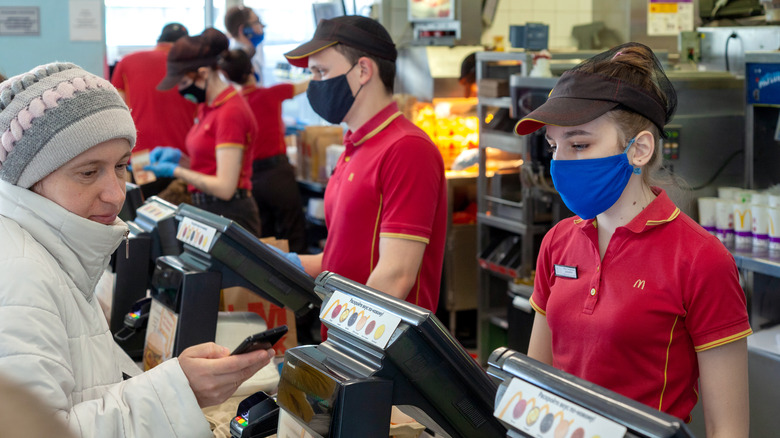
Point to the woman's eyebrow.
(570, 134)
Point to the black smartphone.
(263, 340)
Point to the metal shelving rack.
(493, 300)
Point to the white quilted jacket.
(54, 338)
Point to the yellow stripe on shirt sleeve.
(538, 309)
(723, 341)
(405, 237)
(231, 145)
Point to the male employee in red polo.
(162, 118)
(385, 204)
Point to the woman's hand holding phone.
(214, 374)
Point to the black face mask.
(332, 98)
(193, 93)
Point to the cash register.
(537, 400)
(381, 352)
(217, 253)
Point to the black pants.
(241, 210)
(279, 201)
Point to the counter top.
(763, 265)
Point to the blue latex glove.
(165, 154)
(291, 257)
(162, 169)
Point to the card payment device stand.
(191, 294)
(152, 234)
(381, 352)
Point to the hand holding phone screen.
(261, 341)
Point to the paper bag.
(239, 299)
(314, 141)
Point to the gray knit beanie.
(51, 115)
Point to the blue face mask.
(332, 98)
(254, 38)
(590, 187)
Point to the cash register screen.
(237, 252)
(157, 217)
(134, 198)
(536, 398)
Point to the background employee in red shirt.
(219, 145)
(163, 118)
(273, 178)
(631, 293)
(386, 202)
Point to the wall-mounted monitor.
(431, 10)
(326, 11)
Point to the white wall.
(19, 54)
(560, 15)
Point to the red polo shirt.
(227, 122)
(162, 118)
(388, 183)
(634, 321)
(266, 104)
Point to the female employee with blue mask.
(631, 293)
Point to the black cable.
(733, 35)
(719, 171)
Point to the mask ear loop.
(637, 170)
(361, 85)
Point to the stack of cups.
(743, 223)
(724, 221)
(728, 192)
(773, 226)
(760, 215)
(707, 214)
(745, 220)
(744, 196)
(760, 225)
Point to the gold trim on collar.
(219, 102)
(674, 214)
(378, 129)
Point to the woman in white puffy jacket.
(65, 140)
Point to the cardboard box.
(239, 299)
(314, 142)
(493, 87)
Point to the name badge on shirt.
(565, 271)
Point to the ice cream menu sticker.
(155, 211)
(541, 414)
(360, 318)
(196, 234)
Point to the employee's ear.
(203, 73)
(643, 147)
(367, 69)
